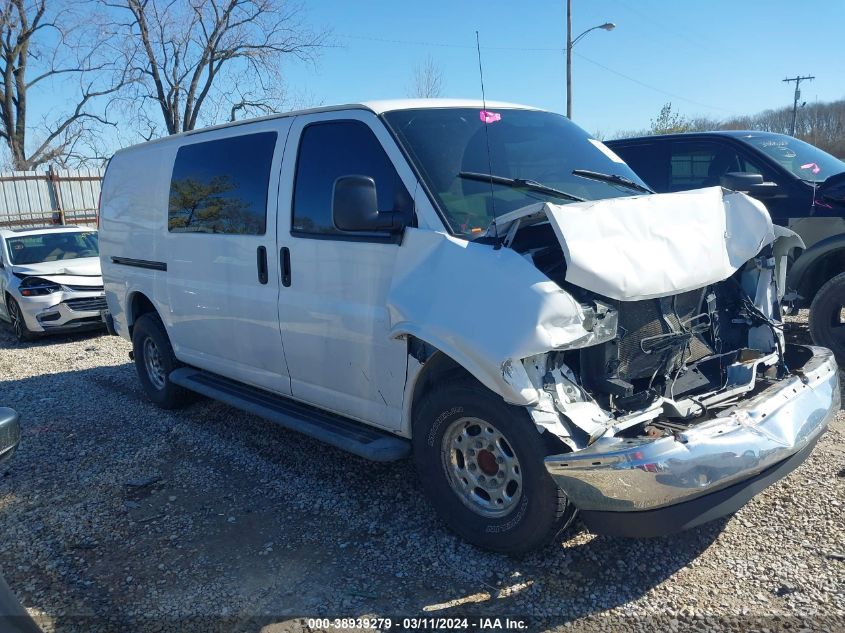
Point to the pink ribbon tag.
(489, 117)
(812, 167)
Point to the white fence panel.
(56, 196)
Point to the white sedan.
(50, 280)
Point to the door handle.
(285, 257)
(262, 264)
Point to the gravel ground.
(116, 516)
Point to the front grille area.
(86, 304)
(640, 321)
(84, 288)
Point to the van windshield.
(525, 145)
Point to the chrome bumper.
(625, 476)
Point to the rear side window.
(328, 151)
(221, 186)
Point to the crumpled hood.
(658, 245)
(84, 271)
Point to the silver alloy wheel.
(481, 467)
(16, 318)
(152, 362)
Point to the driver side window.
(696, 164)
(331, 150)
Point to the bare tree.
(42, 47)
(428, 80)
(209, 60)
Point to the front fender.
(800, 276)
(486, 308)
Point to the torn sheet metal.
(658, 245)
(483, 307)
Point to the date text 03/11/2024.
(420, 623)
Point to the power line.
(448, 45)
(650, 87)
(537, 49)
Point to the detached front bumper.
(649, 487)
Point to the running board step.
(333, 429)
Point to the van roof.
(376, 107)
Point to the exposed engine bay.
(665, 363)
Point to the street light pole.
(569, 59)
(607, 26)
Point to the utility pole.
(607, 26)
(569, 59)
(797, 81)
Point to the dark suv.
(802, 186)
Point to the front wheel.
(22, 332)
(827, 317)
(154, 360)
(480, 461)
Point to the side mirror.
(833, 189)
(739, 181)
(752, 184)
(764, 190)
(355, 207)
(10, 433)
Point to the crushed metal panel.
(643, 247)
(481, 306)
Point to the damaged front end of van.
(644, 334)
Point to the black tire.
(149, 338)
(541, 510)
(826, 317)
(19, 328)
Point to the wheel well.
(139, 304)
(820, 272)
(438, 366)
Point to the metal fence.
(57, 196)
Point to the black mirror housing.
(355, 207)
(739, 181)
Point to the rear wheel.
(827, 317)
(154, 360)
(480, 461)
(21, 331)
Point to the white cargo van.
(485, 287)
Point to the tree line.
(821, 124)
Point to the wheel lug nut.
(481, 478)
(500, 460)
(472, 467)
(478, 445)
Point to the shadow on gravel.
(115, 515)
(8, 339)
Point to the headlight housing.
(35, 287)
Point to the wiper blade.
(613, 179)
(519, 183)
